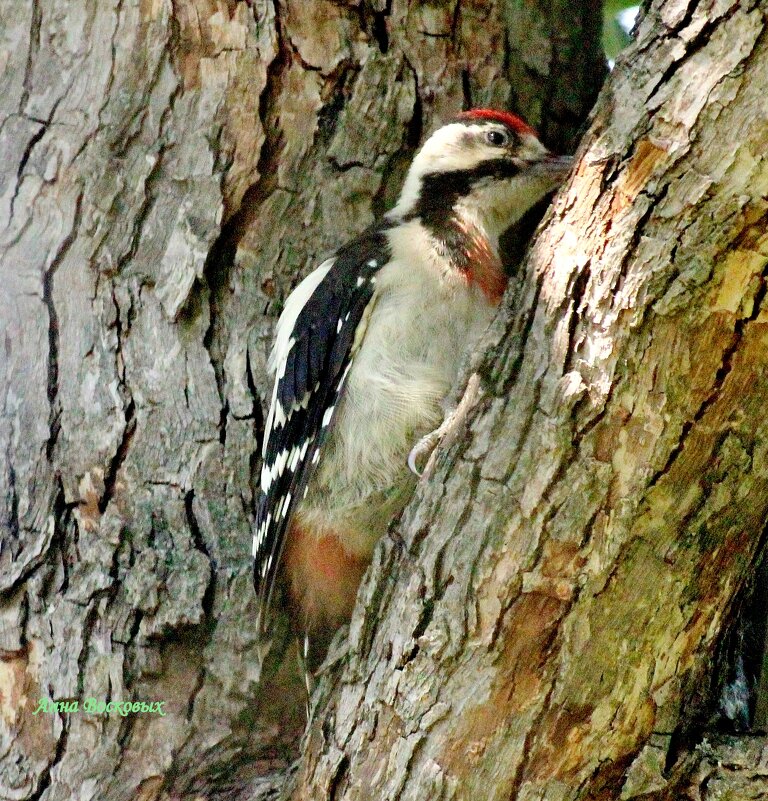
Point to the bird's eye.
(497, 138)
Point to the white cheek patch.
(451, 148)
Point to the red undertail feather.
(504, 117)
(322, 577)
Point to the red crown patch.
(504, 117)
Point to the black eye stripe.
(440, 190)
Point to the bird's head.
(485, 164)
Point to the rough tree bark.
(565, 574)
(169, 170)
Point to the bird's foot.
(446, 433)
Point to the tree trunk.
(169, 170)
(562, 579)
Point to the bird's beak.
(552, 166)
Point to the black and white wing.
(314, 345)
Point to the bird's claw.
(425, 446)
(447, 430)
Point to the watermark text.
(92, 706)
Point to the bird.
(365, 352)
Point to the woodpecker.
(365, 353)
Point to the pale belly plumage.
(401, 374)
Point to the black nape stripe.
(440, 190)
(439, 194)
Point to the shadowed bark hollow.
(169, 170)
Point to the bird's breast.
(420, 327)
